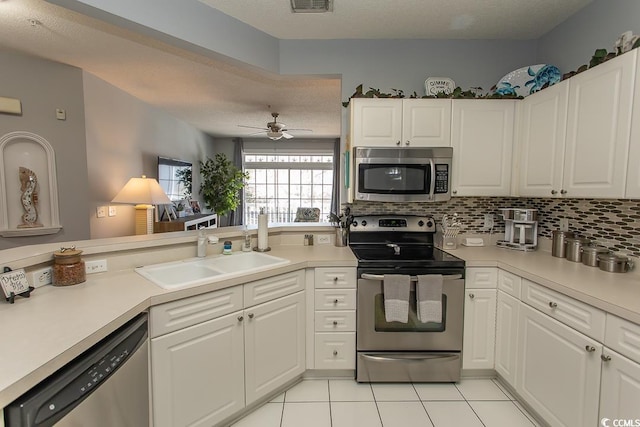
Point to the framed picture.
(195, 205)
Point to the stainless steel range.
(411, 349)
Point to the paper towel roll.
(263, 232)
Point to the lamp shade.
(142, 191)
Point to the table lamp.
(144, 193)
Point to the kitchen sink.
(199, 271)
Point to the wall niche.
(28, 186)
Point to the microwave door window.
(395, 179)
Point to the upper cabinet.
(482, 140)
(400, 122)
(598, 129)
(633, 167)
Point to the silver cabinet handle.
(553, 304)
(335, 352)
(335, 323)
(455, 191)
(408, 142)
(563, 191)
(605, 358)
(472, 296)
(399, 142)
(240, 318)
(251, 315)
(335, 279)
(590, 348)
(335, 301)
(554, 192)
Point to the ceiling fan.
(275, 130)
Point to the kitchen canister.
(68, 268)
(558, 248)
(573, 247)
(590, 255)
(614, 263)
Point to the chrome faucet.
(203, 241)
(396, 248)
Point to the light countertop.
(48, 330)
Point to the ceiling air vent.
(311, 6)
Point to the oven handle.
(410, 357)
(380, 277)
(432, 190)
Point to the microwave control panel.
(442, 179)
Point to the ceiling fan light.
(274, 135)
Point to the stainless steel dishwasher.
(106, 386)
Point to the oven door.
(374, 333)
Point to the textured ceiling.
(216, 96)
(405, 19)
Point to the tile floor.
(345, 403)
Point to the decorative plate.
(434, 85)
(527, 80)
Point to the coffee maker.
(520, 229)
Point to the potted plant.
(221, 184)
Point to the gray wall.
(598, 25)
(125, 136)
(43, 86)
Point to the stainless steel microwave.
(403, 174)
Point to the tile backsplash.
(612, 223)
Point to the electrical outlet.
(112, 211)
(488, 221)
(564, 224)
(101, 211)
(323, 239)
(42, 277)
(96, 266)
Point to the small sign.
(14, 282)
(435, 85)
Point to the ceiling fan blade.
(299, 130)
(257, 133)
(287, 135)
(252, 127)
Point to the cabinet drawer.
(186, 312)
(335, 350)
(336, 321)
(575, 314)
(623, 336)
(335, 277)
(273, 287)
(509, 283)
(481, 277)
(335, 299)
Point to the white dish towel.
(429, 298)
(397, 288)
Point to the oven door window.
(414, 324)
(394, 178)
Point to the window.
(283, 181)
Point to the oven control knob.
(354, 223)
(364, 223)
(429, 224)
(420, 223)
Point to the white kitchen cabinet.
(198, 373)
(620, 387)
(542, 141)
(598, 129)
(482, 134)
(633, 168)
(479, 329)
(558, 372)
(400, 122)
(506, 361)
(274, 344)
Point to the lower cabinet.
(506, 358)
(198, 373)
(274, 344)
(620, 387)
(559, 370)
(479, 329)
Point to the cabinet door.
(376, 122)
(426, 122)
(620, 388)
(633, 172)
(198, 373)
(558, 373)
(482, 141)
(542, 138)
(274, 344)
(507, 337)
(479, 329)
(598, 128)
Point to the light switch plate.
(112, 211)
